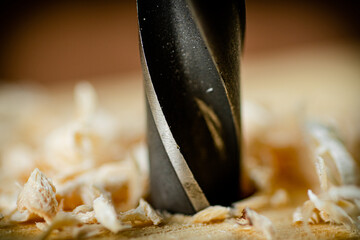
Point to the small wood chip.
(38, 196)
(144, 214)
(211, 214)
(259, 222)
(106, 215)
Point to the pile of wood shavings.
(73, 179)
(75, 175)
(338, 201)
(318, 161)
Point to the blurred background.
(63, 41)
(299, 54)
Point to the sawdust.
(81, 177)
(211, 214)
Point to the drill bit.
(190, 55)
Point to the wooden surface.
(225, 230)
(311, 77)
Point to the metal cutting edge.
(190, 54)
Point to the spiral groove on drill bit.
(190, 53)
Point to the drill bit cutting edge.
(190, 53)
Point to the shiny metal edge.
(186, 178)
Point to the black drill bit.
(190, 53)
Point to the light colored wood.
(225, 230)
(313, 76)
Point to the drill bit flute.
(190, 53)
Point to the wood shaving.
(42, 226)
(61, 220)
(122, 179)
(106, 215)
(338, 175)
(313, 215)
(23, 216)
(324, 216)
(94, 179)
(38, 196)
(211, 214)
(336, 213)
(259, 222)
(143, 215)
(297, 216)
(349, 192)
(335, 166)
(99, 174)
(85, 214)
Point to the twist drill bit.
(190, 54)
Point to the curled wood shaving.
(211, 214)
(144, 214)
(43, 226)
(61, 220)
(85, 214)
(83, 209)
(121, 179)
(336, 213)
(106, 215)
(322, 209)
(324, 216)
(258, 221)
(316, 216)
(338, 175)
(334, 164)
(350, 192)
(23, 216)
(38, 196)
(297, 216)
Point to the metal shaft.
(190, 53)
